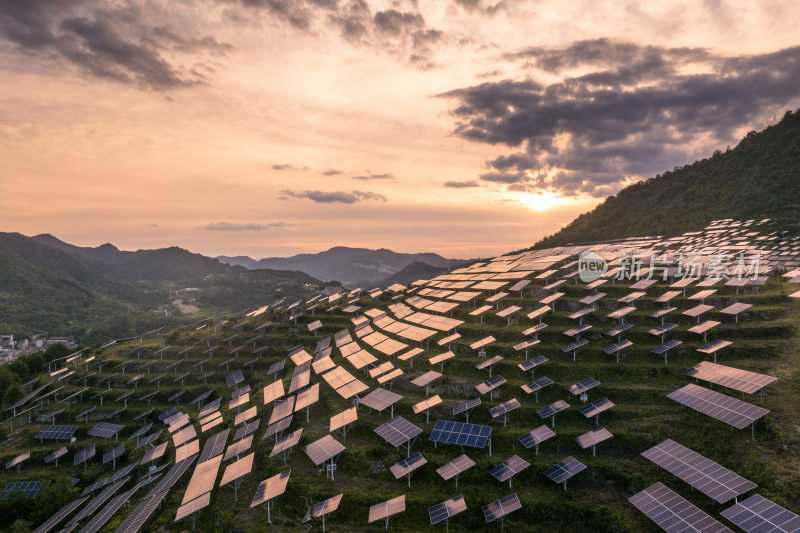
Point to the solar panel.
(380, 399)
(50, 457)
(193, 506)
(60, 515)
(469, 404)
(155, 453)
(501, 508)
(252, 427)
(237, 469)
(455, 468)
(187, 450)
(323, 449)
(734, 412)
(139, 516)
(593, 438)
(18, 460)
(733, 378)
(408, 465)
(757, 514)
(490, 385)
(271, 488)
(583, 386)
(56, 433)
(536, 436)
(565, 470)
(596, 407)
(398, 431)
(30, 488)
(323, 508)
(286, 443)
(450, 432)
(84, 455)
(389, 508)
(509, 468)
(98, 500)
(213, 446)
(504, 408)
(536, 385)
(552, 409)
(447, 509)
(713, 480)
(113, 453)
(530, 364)
(347, 416)
(673, 513)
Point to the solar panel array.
(673, 513)
(757, 514)
(734, 412)
(710, 478)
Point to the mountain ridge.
(348, 265)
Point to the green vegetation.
(760, 178)
(55, 290)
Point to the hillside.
(50, 286)
(163, 264)
(759, 178)
(46, 290)
(351, 266)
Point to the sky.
(266, 128)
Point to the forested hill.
(760, 178)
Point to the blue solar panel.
(57, 432)
(450, 432)
(29, 488)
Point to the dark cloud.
(462, 184)
(395, 22)
(282, 166)
(399, 31)
(633, 111)
(116, 44)
(342, 197)
(332, 172)
(249, 226)
(369, 176)
(481, 7)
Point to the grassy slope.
(760, 178)
(765, 340)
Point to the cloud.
(631, 112)
(282, 167)
(249, 226)
(153, 225)
(105, 41)
(332, 172)
(370, 176)
(342, 197)
(462, 184)
(400, 31)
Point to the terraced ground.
(765, 340)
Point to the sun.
(540, 201)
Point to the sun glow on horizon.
(540, 200)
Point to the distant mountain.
(413, 272)
(760, 178)
(47, 285)
(44, 289)
(354, 267)
(164, 264)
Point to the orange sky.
(268, 128)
